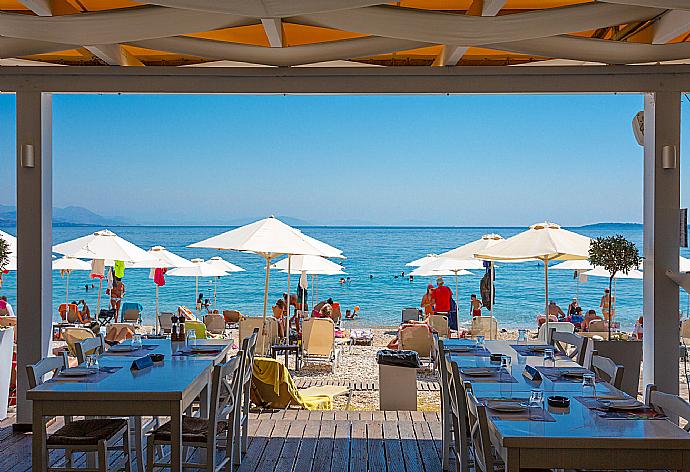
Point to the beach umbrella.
(601, 272)
(310, 265)
(269, 238)
(422, 260)
(442, 266)
(199, 268)
(103, 245)
(577, 266)
(221, 263)
(68, 264)
(542, 241)
(12, 253)
(467, 251)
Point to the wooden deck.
(304, 441)
(422, 385)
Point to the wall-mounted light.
(27, 155)
(669, 157)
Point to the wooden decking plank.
(430, 455)
(303, 415)
(290, 415)
(307, 447)
(390, 415)
(291, 445)
(394, 452)
(417, 416)
(341, 415)
(358, 447)
(377, 454)
(257, 445)
(324, 451)
(366, 415)
(328, 415)
(341, 446)
(271, 453)
(378, 415)
(436, 435)
(404, 416)
(410, 448)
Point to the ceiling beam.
(114, 55)
(671, 25)
(274, 31)
(40, 7)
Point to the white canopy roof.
(163, 258)
(446, 266)
(422, 260)
(312, 265)
(199, 268)
(103, 244)
(422, 272)
(601, 272)
(269, 237)
(544, 241)
(220, 263)
(70, 263)
(467, 251)
(580, 264)
(12, 241)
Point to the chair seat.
(194, 430)
(86, 432)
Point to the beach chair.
(439, 323)
(597, 326)
(486, 326)
(362, 336)
(559, 326)
(232, 316)
(118, 332)
(165, 322)
(578, 348)
(318, 342)
(131, 312)
(267, 335)
(9, 322)
(198, 327)
(417, 337)
(69, 312)
(272, 387)
(73, 335)
(410, 314)
(215, 324)
(685, 331)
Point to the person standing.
(428, 301)
(117, 293)
(441, 297)
(475, 306)
(606, 302)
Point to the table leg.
(176, 437)
(204, 402)
(297, 359)
(512, 460)
(39, 454)
(287, 357)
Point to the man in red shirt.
(441, 297)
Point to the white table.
(162, 390)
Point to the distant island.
(68, 216)
(605, 226)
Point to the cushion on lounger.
(86, 432)
(193, 430)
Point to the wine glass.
(136, 341)
(589, 385)
(536, 404)
(506, 362)
(522, 336)
(191, 338)
(480, 341)
(549, 357)
(92, 361)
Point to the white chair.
(605, 365)
(242, 415)
(578, 348)
(559, 326)
(439, 323)
(667, 404)
(486, 326)
(318, 341)
(89, 346)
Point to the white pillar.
(34, 238)
(661, 241)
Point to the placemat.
(526, 349)
(642, 413)
(137, 352)
(211, 350)
(103, 372)
(538, 414)
(475, 351)
(555, 374)
(501, 376)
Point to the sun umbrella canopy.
(70, 263)
(12, 241)
(269, 237)
(221, 263)
(199, 268)
(683, 264)
(161, 258)
(445, 266)
(581, 264)
(103, 244)
(422, 272)
(468, 250)
(312, 265)
(422, 260)
(544, 241)
(601, 272)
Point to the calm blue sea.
(378, 251)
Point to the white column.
(661, 241)
(34, 238)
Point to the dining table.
(583, 435)
(165, 389)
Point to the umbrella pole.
(156, 322)
(287, 314)
(100, 289)
(67, 290)
(268, 269)
(196, 293)
(491, 270)
(546, 292)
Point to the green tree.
(4, 253)
(615, 254)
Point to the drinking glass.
(191, 338)
(136, 341)
(92, 361)
(522, 336)
(536, 404)
(506, 364)
(589, 385)
(480, 341)
(549, 357)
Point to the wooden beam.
(114, 55)
(274, 31)
(670, 26)
(40, 7)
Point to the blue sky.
(440, 160)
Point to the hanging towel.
(97, 268)
(110, 279)
(159, 276)
(119, 269)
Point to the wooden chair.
(479, 434)
(89, 346)
(242, 416)
(98, 435)
(215, 324)
(668, 404)
(578, 348)
(605, 365)
(439, 323)
(205, 433)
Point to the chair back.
(88, 346)
(73, 335)
(225, 394)
(439, 323)
(277, 393)
(118, 332)
(667, 404)
(73, 314)
(486, 326)
(165, 321)
(215, 324)
(559, 326)
(597, 326)
(249, 350)
(198, 327)
(232, 316)
(479, 434)
(9, 322)
(131, 312)
(578, 348)
(318, 337)
(457, 402)
(409, 314)
(416, 338)
(37, 372)
(613, 372)
(268, 332)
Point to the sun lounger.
(486, 326)
(165, 322)
(409, 314)
(198, 327)
(69, 312)
(273, 387)
(73, 335)
(417, 337)
(361, 336)
(215, 324)
(439, 323)
(268, 332)
(318, 341)
(118, 332)
(131, 312)
(232, 316)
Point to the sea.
(377, 277)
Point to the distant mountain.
(612, 226)
(68, 216)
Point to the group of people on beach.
(577, 316)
